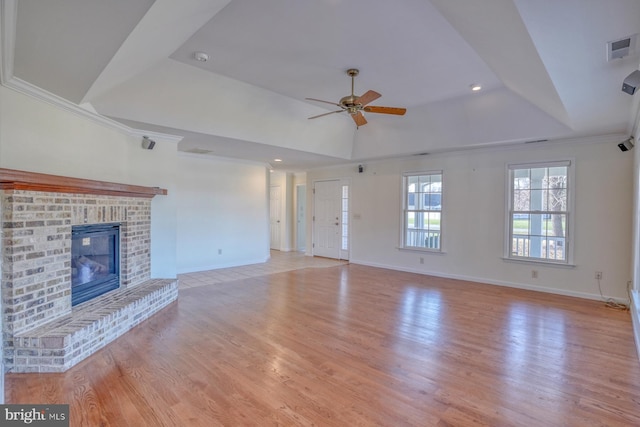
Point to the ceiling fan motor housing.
(350, 101)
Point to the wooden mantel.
(11, 179)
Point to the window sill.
(539, 262)
(421, 250)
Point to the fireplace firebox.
(95, 260)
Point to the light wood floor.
(351, 345)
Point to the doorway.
(301, 217)
(275, 214)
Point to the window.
(539, 212)
(422, 211)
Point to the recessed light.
(475, 87)
(201, 56)
(277, 160)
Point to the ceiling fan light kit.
(355, 105)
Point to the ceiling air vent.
(197, 151)
(621, 48)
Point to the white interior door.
(275, 213)
(326, 219)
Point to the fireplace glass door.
(95, 260)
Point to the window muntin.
(422, 211)
(539, 212)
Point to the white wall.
(473, 224)
(38, 137)
(223, 206)
(635, 265)
(1, 321)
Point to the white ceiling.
(542, 65)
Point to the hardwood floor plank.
(352, 345)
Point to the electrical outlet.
(219, 251)
(598, 275)
(421, 260)
(534, 274)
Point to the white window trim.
(402, 243)
(569, 238)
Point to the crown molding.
(33, 91)
(27, 88)
(8, 21)
(634, 117)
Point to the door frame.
(278, 238)
(301, 226)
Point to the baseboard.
(525, 286)
(635, 318)
(222, 265)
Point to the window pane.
(558, 200)
(434, 201)
(521, 184)
(412, 183)
(434, 220)
(535, 200)
(537, 178)
(520, 224)
(536, 224)
(521, 200)
(411, 201)
(425, 222)
(521, 174)
(411, 220)
(556, 225)
(559, 173)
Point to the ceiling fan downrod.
(350, 102)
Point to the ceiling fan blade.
(325, 114)
(326, 102)
(385, 110)
(359, 119)
(368, 96)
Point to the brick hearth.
(60, 344)
(41, 331)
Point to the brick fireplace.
(42, 332)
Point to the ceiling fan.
(355, 105)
